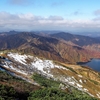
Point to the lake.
(94, 64)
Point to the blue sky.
(64, 15)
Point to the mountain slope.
(69, 75)
(13, 88)
(46, 47)
(76, 39)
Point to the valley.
(53, 58)
(67, 50)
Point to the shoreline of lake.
(94, 63)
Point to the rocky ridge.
(52, 48)
(70, 75)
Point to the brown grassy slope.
(18, 84)
(47, 47)
(90, 78)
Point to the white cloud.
(97, 15)
(77, 13)
(20, 2)
(55, 18)
(97, 19)
(17, 2)
(30, 22)
(55, 4)
(97, 12)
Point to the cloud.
(76, 13)
(55, 4)
(55, 18)
(17, 2)
(97, 15)
(6, 15)
(97, 19)
(28, 22)
(20, 2)
(97, 12)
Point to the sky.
(63, 15)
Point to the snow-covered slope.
(35, 63)
(26, 65)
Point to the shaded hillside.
(11, 42)
(12, 88)
(76, 39)
(46, 47)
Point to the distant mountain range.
(64, 47)
(85, 42)
(48, 32)
(76, 39)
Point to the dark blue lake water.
(94, 64)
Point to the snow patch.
(44, 67)
(37, 63)
(80, 76)
(85, 81)
(85, 89)
(80, 81)
(45, 64)
(98, 95)
(18, 58)
(80, 86)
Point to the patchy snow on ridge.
(27, 65)
(45, 64)
(37, 63)
(18, 58)
(41, 64)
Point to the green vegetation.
(56, 94)
(45, 82)
(12, 88)
(7, 93)
(15, 82)
(71, 69)
(51, 91)
(95, 82)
